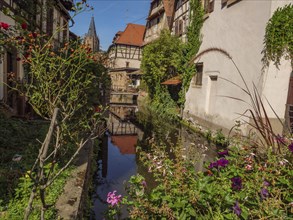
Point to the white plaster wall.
(275, 89)
(121, 63)
(238, 29)
(276, 81)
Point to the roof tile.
(132, 35)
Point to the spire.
(92, 29)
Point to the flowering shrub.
(225, 190)
(60, 83)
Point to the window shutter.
(199, 73)
(50, 21)
(211, 5)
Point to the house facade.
(160, 17)
(215, 97)
(181, 19)
(125, 55)
(40, 18)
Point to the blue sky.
(111, 16)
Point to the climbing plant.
(191, 47)
(161, 60)
(278, 40)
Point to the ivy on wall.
(168, 57)
(161, 60)
(278, 40)
(192, 46)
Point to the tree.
(61, 85)
(161, 60)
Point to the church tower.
(91, 38)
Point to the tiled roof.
(132, 35)
(173, 81)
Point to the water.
(117, 162)
(117, 165)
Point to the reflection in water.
(117, 165)
(118, 158)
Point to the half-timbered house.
(160, 17)
(41, 16)
(125, 55)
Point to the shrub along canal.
(117, 161)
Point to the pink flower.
(112, 199)
(248, 167)
(144, 184)
(3, 25)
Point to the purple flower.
(113, 199)
(222, 162)
(223, 153)
(266, 183)
(144, 184)
(219, 163)
(236, 209)
(291, 147)
(236, 183)
(213, 165)
(264, 193)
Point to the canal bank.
(118, 159)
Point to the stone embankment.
(70, 204)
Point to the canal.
(117, 161)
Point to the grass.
(22, 138)
(17, 137)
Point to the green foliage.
(194, 28)
(168, 57)
(67, 78)
(17, 137)
(17, 205)
(161, 61)
(264, 190)
(191, 47)
(158, 116)
(278, 40)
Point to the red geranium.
(24, 26)
(3, 25)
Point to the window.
(228, 2)
(158, 20)
(199, 72)
(50, 21)
(208, 6)
(64, 30)
(155, 4)
(180, 27)
(127, 64)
